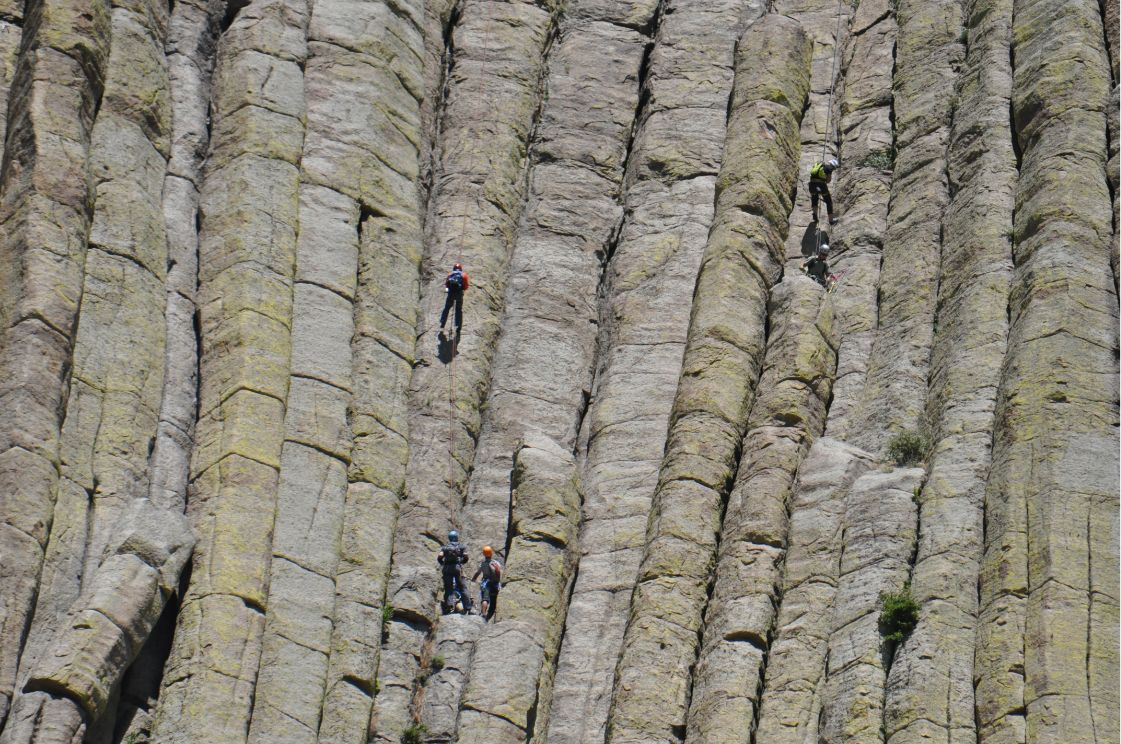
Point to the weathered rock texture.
(928, 53)
(1047, 597)
(232, 440)
(507, 697)
(46, 206)
(722, 363)
(787, 417)
(969, 345)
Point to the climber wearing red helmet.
(455, 285)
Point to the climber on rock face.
(452, 557)
(817, 267)
(455, 285)
(820, 176)
(491, 571)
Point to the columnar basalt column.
(791, 702)
(1049, 575)
(192, 39)
(70, 693)
(507, 698)
(928, 55)
(11, 29)
(861, 190)
(722, 363)
(787, 417)
(116, 375)
(827, 24)
(878, 532)
(247, 249)
(545, 356)
(493, 94)
(643, 321)
(370, 215)
(930, 688)
(46, 204)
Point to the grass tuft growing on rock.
(908, 447)
(437, 663)
(414, 734)
(878, 159)
(899, 614)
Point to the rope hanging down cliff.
(829, 135)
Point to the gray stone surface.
(74, 680)
(722, 363)
(930, 686)
(864, 103)
(1047, 602)
(543, 363)
(643, 321)
(790, 707)
(787, 417)
(514, 660)
(928, 54)
(491, 103)
(245, 321)
(879, 527)
(223, 232)
(46, 206)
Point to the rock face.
(233, 437)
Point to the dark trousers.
(820, 189)
(455, 297)
(453, 582)
(489, 594)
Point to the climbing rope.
(829, 134)
(451, 411)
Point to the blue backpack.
(454, 280)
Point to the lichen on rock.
(233, 438)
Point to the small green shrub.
(899, 614)
(908, 447)
(414, 734)
(437, 663)
(878, 159)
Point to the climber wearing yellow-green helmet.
(820, 176)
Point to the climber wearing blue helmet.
(452, 557)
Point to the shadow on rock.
(809, 239)
(446, 347)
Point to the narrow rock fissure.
(1108, 47)
(1090, 620)
(233, 8)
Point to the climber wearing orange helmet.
(491, 571)
(455, 285)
